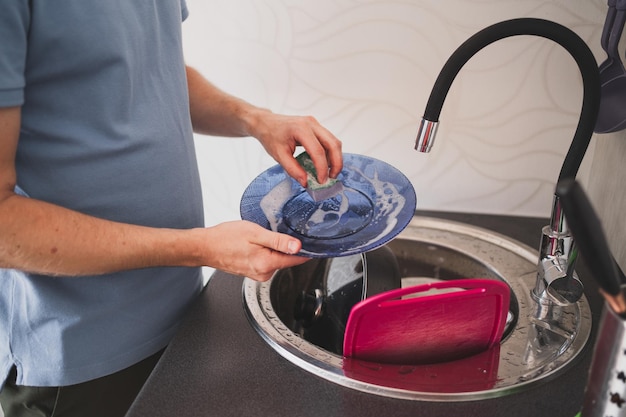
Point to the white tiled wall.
(365, 68)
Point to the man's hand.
(280, 134)
(247, 249)
(214, 112)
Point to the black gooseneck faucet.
(556, 281)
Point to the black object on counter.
(612, 114)
(589, 235)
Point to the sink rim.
(329, 366)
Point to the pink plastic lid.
(429, 328)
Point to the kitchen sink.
(541, 338)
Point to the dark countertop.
(217, 365)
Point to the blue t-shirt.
(105, 131)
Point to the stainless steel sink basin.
(539, 342)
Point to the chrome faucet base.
(556, 280)
(554, 285)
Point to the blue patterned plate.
(377, 202)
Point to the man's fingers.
(279, 242)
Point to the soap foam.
(388, 200)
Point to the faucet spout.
(426, 135)
(557, 252)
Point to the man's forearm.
(214, 112)
(40, 237)
(44, 238)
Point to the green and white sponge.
(317, 191)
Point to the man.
(101, 229)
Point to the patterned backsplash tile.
(365, 69)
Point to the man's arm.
(215, 112)
(45, 238)
(39, 237)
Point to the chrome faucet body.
(556, 281)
